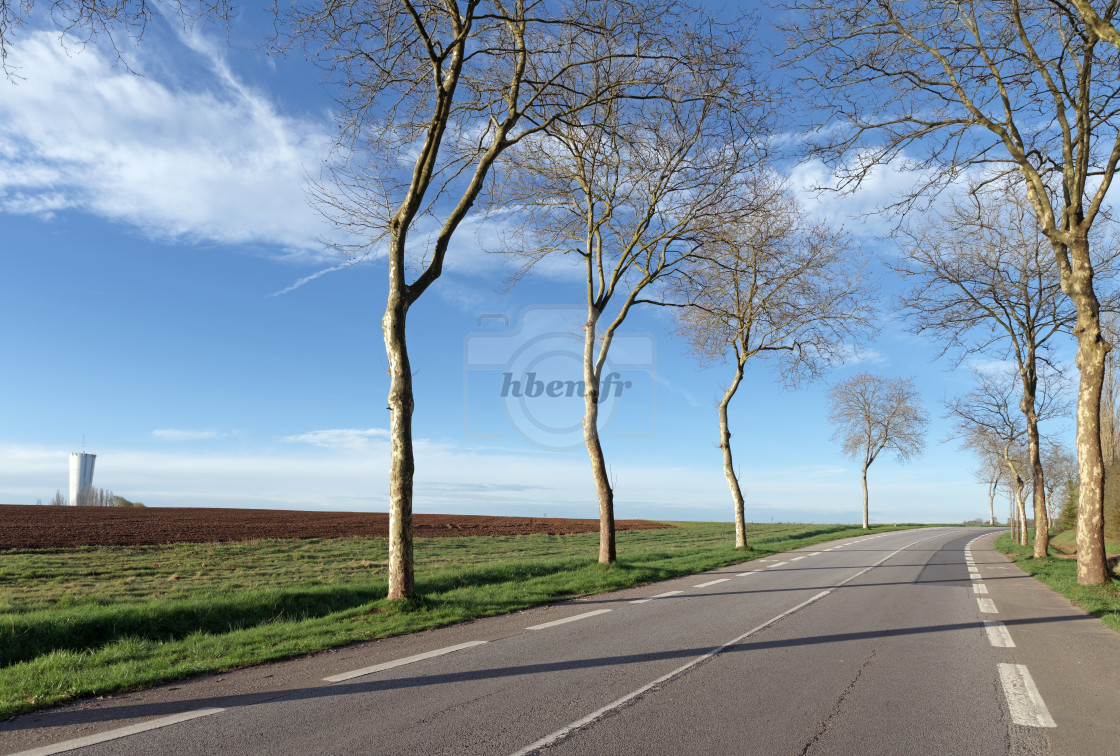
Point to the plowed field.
(45, 527)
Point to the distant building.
(81, 477)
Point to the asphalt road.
(915, 642)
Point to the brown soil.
(45, 527)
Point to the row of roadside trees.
(637, 136)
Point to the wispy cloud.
(209, 160)
(176, 434)
(339, 438)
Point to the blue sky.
(166, 298)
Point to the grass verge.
(92, 621)
(1061, 575)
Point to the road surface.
(915, 642)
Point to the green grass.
(1061, 575)
(91, 621)
(1066, 542)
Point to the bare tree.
(984, 280)
(873, 414)
(436, 91)
(991, 87)
(634, 188)
(987, 446)
(1061, 478)
(991, 409)
(58, 500)
(775, 286)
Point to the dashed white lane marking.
(796, 558)
(777, 564)
(123, 732)
(600, 713)
(408, 660)
(667, 594)
(573, 618)
(815, 553)
(1023, 699)
(998, 635)
(711, 582)
(980, 588)
(748, 572)
(987, 606)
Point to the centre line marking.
(998, 635)
(122, 732)
(980, 588)
(402, 662)
(987, 606)
(711, 582)
(573, 618)
(667, 594)
(1023, 699)
(563, 732)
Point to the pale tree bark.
(963, 89)
(872, 414)
(434, 93)
(866, 464)
(737, 501)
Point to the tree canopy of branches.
(873, 414)
(85, 19)
(989, 449)
(988, 88)
(636, 186)
(774, 285)
(435, 92)
(985, 280)
(991, 411)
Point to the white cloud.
(214, 161)
(175, 434)
(340, 438)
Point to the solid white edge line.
(573, 618)
(980, 588)
(667, 594)
(560, 734)
(998, 636)
(1023, 699)
(987, 606)
(711, 582)
(122, 732)
(401, 662)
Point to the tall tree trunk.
(865, 466)
(1021, 503)
(1041, 524)
(402, 463)
(728, 467)
(992, 504)
(607, 551)
(1092, 349)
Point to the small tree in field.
(873, 414)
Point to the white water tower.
(81, 477)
